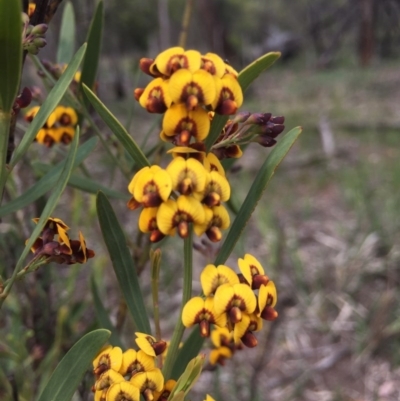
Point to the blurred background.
(327, 230)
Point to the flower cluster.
(201, 186)
(59, 127)
(186, 86)
(55, 244)
(230, 301)
(127, 375)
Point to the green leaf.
(92, 187)
(253, 70)
(116, 127)
(102, 315)
(91, 61)
(66, 43)
(50, 205)
(47, 182)
(261, 181)
(190, 349)
(11, 52)
(52, 100)
(70, 371)
(123, 263)
(189, 376)
(245, 78)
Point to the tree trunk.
(367, 32)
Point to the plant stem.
(185, 23)
(187, 292)
(5, 121)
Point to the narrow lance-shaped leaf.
(70, 371)
(261, 181)
(189, 350)
(52, 100)
(245, 78)
(66, 43)
(102, 315)
(11, 52)
(47, 182)
(122, 262)
(116, 127)
(50, 206)
(91, 61)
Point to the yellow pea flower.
(212, 277)
(155, 97)
(229, 95)
(109, 358)
(148, 383)
(134, 362)
(213, 64)
(123, 391)
(252, 271)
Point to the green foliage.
(70, 370)
(123, 264)
(66, 46)
(11, 53)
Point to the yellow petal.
(241, 328)
(148, 219)
(212, 163)
(187, 176)
(222, 352)
(221, 335)
(153, 380)
(200, 85)
(213, 64)
(165, 217)
(123, 391)
(192, 207)
(191, 310)
(267, 295)
(156, 98)
(178, 119)
(107, 379)
(212, 277)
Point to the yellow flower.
(148, 223)
(229, 95)
(181, 125)
(217, 218)
(31, 113)
(178, 214)
(201, 311)
(63, 134)
(252, 271)
(213, 64)
(155, 97)
(221, 336)
(148, 383)
(212, 277)
(134, 362)
(175, 58)
(187, 176)
(267, 298)
(243, 331)
(209, 398)
(104, 382)
(149, 345)
(150, 186)
(216, 190)
(66, 116)
(165, 391)
(219, 355)
(109, 358)
(192, 89)
(124, 391)
(212, 163)
(234, 300)
(31, 9)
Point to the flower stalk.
(187, 293)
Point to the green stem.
(5, 121)
(185, 23)
(187, 293)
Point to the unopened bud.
(144, 65)
(241, 117)
(265, 140)
(278, 120)
(256, 118)
(39, 29)
(39, 42)
(25, 98)
(249, 340)
(137, 93)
